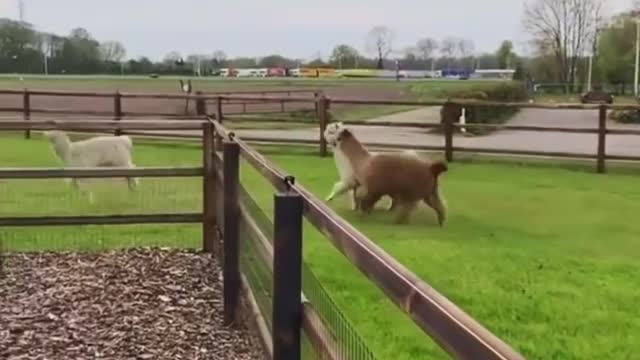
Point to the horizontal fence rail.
(455, 331)
(46, 173)
(102, 220)
(334, 100)
(13, 125)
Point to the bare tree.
(219, 57)
(563, 29)
(380, 42)
(465, 47)
(112, 51)
(426, 48)
(448, 47)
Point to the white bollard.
(463, 120)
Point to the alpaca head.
(56, 136)
(334, 133)
(59, 141)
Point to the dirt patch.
(135, 304)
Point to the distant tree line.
(562, 46)
(23, 49)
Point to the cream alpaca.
(99, 151)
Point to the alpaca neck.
(354, 150)
(62, 145)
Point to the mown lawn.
(541, 256)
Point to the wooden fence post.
(287, 277)
(117, 110)
(26, 111)
(219, 109)
(323, 119)
(209, 231)
(230, 260)
(315, 103)
(448, 113)
(602, 139)
(201, 105)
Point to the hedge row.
(503, 92)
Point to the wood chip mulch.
(130, 304)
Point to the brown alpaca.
(406, 179)
(348, 151)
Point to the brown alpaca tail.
(438, 168)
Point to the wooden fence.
(201, 100)
(455, 331)
(322, 105)
(450, 124)
(222, 217)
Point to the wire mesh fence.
(99, 197)
(57, 197)
(97, 238)
(346, 339)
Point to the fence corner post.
(117, 110)
(287, 276)
(230, 258)
(448, 114)
(323, 120)
(602, 139)
(26, 111)
(209, 232)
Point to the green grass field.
(541, 256)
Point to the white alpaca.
(99, 151)
(345, 169)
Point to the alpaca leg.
(355, 204)
(393, 204)
(133, 182)
(74, 184)
(339, 188)
(436, 202)
(366, 201)
(404, 211)
(77, 186)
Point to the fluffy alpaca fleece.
(99, 151)
(348, 181)
(406, 179)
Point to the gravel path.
(136, 304)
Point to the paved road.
(515, 140)
(508, 140)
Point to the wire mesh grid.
(100, 237)
(56, 197)
(346, 339)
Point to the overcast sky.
(295, 28)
